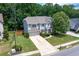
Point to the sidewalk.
(66, 44)
(37, 51)
(27, 53)
(43, 46)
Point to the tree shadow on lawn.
(60, 35)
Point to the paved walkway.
(44, 47)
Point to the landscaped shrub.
(44, 34)
(19, 32)
(26, 35)
(6, 35)
(17, 48)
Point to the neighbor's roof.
(37, 19)
(1, 17)
(74, 21)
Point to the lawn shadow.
(60, 35)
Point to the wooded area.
(31, 9)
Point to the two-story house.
(37, 24)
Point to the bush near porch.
(44, 34)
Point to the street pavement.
(68, 52)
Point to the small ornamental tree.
(6, 34)
(60, 22)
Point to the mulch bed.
(19, 32)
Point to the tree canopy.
(23, 10)
(60, 22)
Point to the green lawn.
(27, 44)
(37, 54)
(56, 40)
(4, 48)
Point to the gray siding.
(25, 26)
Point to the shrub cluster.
(17, 48)
(6, 35)
(26, 35)
(44, 34)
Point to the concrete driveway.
(43, 46)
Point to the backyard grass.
(60, 39)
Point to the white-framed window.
(42, 25)
(33, 25)
(29, 26)
(38, 26)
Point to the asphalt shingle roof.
(74, 23)
(38, 19)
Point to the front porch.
(37, 28)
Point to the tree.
(69, 10)
(60, 22)
(57, 8)
(24, 10)
(47, 9)
(5, 33)
(32, 9)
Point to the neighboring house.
(37, 24)
(1, 27)
(74, 24)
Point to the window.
(38, 24)
(33, 25)
(29, 24)
(42, 24)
